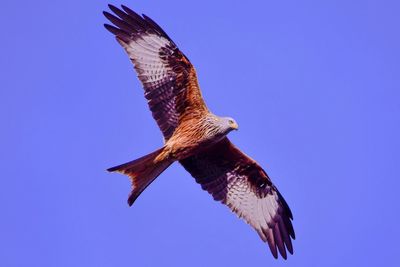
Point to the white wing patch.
(144, 52)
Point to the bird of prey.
(194, 136)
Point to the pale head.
(230, 123)
(222, 125)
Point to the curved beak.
(235, 126)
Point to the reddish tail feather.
(142, 172)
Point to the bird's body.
(194, 136)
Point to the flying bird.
(193, 135)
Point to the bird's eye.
(230, 121)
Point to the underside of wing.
(168, 77)
(239, 182)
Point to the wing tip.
(111, 28)
(128, 10)
(274, 252)
(111, 6)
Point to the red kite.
(194, 136)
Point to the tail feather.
(142, 172)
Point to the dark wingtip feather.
(290, 249)
(112, 29)
(114, 9)
(131, 12)
(279, 241)
(285, 205)
(271, 243)
(112, 18)
(289, 226)
(106, 14)
(127, 9)
(120, 13)
(156, 27)
(120, 34)
(274, 253)
(289, 246)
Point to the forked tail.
(142, 172)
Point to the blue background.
(314, 86)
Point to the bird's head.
(221, 126)
(232, 124)
(229, 124)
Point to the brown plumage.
(194, 136)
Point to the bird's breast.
(188, 143)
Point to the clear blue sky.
(314, 86)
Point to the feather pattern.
(168, 77)
(239, 182)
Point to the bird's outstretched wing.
(240, 183)
(168, 77)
